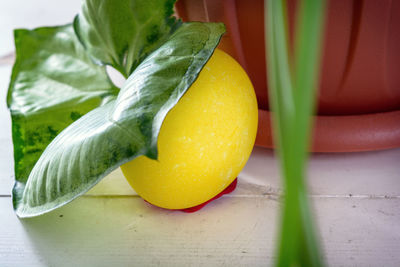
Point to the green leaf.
(53, 83)
(292, 86)
(123, 129)
(122, 33)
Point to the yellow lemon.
(204, 142)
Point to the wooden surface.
(356, 199)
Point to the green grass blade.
(307, 58)
(306, 73)
(292, 100)
(277, 55)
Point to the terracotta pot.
(359, 93)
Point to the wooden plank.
(126, 231)
(114, 184)
(359, 231)
(233, 231)
(375, 173)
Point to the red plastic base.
(227, 190)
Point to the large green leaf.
(53, 83)
(119, 131)
(121, 33)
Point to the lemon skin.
(204, 141)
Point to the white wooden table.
(356, 199)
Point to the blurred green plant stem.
(292, 86)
